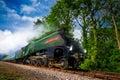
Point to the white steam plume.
(13, 41)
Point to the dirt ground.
(36, 73)
(9, 69)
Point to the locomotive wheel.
(34, 62)
(44, 62)
(64, 63)
(39, 62)
(27, 61)
(50, 64)
(74, 66)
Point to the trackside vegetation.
(99, 22)
(9, 78)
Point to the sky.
(16, 22)
(16, 13)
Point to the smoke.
(10, 41)
(13, 41)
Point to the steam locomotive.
(54, 50)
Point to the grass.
(8, 72)
(9, 78)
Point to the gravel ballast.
(36, 73)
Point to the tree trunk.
(116, 31)
(95, 43)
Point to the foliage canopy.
(100, 25)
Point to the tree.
(60, 17)
(115, 3)
(112, 14)
(99, 22)
(38, 22)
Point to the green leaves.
(61, 16)
(94, 17)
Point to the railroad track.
(94, 74)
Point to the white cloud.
(14, 15)
(32, 8)
(35, 7)
(11, 13)
(26, 18)
(30, 19)
(35, 3)
(27, 9)
(4, 6)
(10, 41)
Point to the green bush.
(88, 65)
(115, 61)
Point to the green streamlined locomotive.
(55, 50)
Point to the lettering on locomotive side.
(52, 40)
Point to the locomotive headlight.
(71, 48)
(85, 51)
